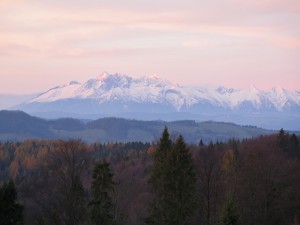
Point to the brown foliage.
(261, 175)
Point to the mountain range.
(152, 98)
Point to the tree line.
(252, 181)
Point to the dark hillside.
(68, 124)
(17, 125)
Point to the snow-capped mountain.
(155, 98)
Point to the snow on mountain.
(57, 93)
(122, 88)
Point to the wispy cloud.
(165, 32)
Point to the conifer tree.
(101, 206)
(201, 144)
(182, 184)
(158, 180)
(11, 213)
(229, 215)
(293, 146)
(173, 181)
(75, 205)
(283, 139)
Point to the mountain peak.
(154, 77)
(73, 82)
(253, 88)
(107, 77)
(102, 76)
(278, 89)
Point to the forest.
(67, 182)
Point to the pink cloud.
(270, 6)
(232, 37)
(287, 42)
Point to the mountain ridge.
(118, 94)
(101, 88)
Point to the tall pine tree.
(74, 204)
(173, 183)
(182, 184)
(101, 206)
(158, 180)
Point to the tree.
(283, 139)
(11, 213)
(293, 146)
(101, 206)
(159, 176)
(230, 164)
(74, 203)
(64, 202)
(201, 144)
(263, 176)
(182, 184)
(173, 181)
(229, 215)
(209, 174)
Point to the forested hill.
(17, 125)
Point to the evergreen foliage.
(182, 183)
(75, 203)
(159, 176)
(201, 144)
(101, 206)
(288, 143)
(283, 139)
(229, 215)
(173, 181)
(293, 146)
(11, 213)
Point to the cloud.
(287, 42)
(167, 35)
(8, 3)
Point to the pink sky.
(45, 43)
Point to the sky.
(45, 43)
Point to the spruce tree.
(158, 181)
(182, 184)
(283, 139)
(173, 182)
(11, 213)
(229, 215)
(75, 205)
(101, 206)
(201, 144)
(293, 146)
